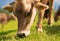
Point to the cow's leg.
(25, 31)
(57, 14)
(50, 11)
(56, 17)
(39, 25)
(41, 14)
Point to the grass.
(50, 33)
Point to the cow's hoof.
(39, 30)
(23, 34)
(50, 24)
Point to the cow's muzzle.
(22, 34)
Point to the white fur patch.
(40, 30)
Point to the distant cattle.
(57, 14)
(4, 18)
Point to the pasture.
(50, 33)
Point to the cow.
(37, 4)
(4, 17)
(57, 14)
(25, 11)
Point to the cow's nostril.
(21, 35)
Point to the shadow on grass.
(4, 37)
(52, 29)
(55, 29)
(5, 33)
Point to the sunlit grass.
(50, 33)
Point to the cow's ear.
(8, 8)
(41, 6)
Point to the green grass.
(50, 33)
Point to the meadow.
(50, 33)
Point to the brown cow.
(39, 6)
(25, 11)
(4, 18)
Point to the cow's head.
(25, 12)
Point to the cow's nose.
(21, 35)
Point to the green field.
(50, 33)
